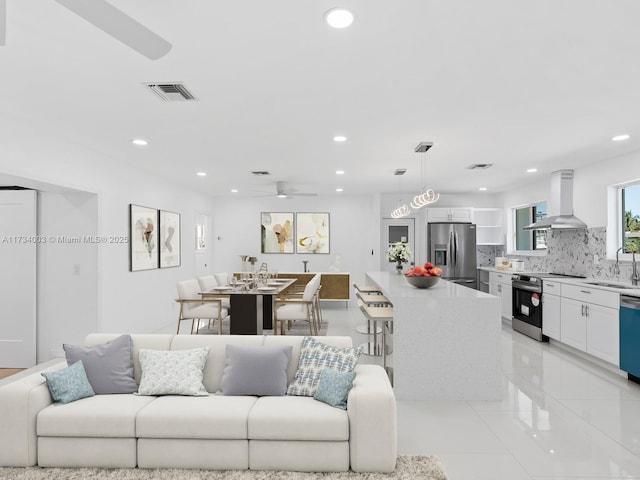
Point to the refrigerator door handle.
(455, 247)
(452, 258)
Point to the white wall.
(354, 230)
(86, 193)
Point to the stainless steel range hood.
(560, 205)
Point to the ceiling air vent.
(171, 92)
(260, 173)
(481, 166)
(400, 171)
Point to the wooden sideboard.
(335, 286)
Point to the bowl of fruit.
(423, 277)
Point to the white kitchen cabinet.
(448, 214)
(489, 226)
(500, 286)
(573, 328)
(603, 333)
(550, 312)
(590, 321)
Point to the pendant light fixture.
(426, 195)
(402, 210)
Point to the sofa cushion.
(217, 352)
(99, 416)
(212, 417)
(69, 384)
(255, 370)
(172, 372)
(334, 387)
(109, 365)
(315, 356)
(297, 418)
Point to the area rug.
(408, 468)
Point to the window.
(631, 218)
(528, 240)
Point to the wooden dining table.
(251, 308)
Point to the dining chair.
(302, 307)
(196, 308)
(208, 283)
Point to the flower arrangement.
(399, 252)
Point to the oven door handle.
(526, 287)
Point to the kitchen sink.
(612, 285)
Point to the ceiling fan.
(283, 191)
(110, 20)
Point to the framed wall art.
(276, 232)
(312, 233)
(143, 235)
(169, 239)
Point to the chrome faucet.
(616, 267)
(635, 275)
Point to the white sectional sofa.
(208, 432)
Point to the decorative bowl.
(422, 282)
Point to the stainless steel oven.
(527, 306)
(527, 303)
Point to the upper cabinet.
(489, 226)
(489, 221)
(449, 215)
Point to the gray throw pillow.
(109, 366)
(259, 371)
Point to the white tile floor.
(560, 417)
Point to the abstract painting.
(169, 239)
(312, 233)
(143, 235)
(276, 232)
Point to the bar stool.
(383, 315)
(373, 348)
(367, 328)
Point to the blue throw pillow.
(69, 384)
(334, 387)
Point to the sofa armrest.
(373, 436)
(20, 402)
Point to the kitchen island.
(446, 340)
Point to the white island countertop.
(446, 340)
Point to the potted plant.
(399, 252)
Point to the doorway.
(397, 230)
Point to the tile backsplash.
(572, 252)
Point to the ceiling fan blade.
(303, 194)
(3, 22)
(120, 26)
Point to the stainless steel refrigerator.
(452, 247)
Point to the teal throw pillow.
(334, 387)
(69, 384)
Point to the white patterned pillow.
(172, 372)
(314, 358)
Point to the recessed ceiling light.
(201, 174)
(339, 172)
(483, 189)
(339, 189)
(532, 170)
(619, 138)
(338, 17)
(140, 142)
(282, 195)
(234, 190)
(340, 138)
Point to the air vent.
(171, 92)
(261, 173)
(481, 166)
(400, 171)
(423, 147)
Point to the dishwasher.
(630, 336)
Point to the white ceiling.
(519, 84)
